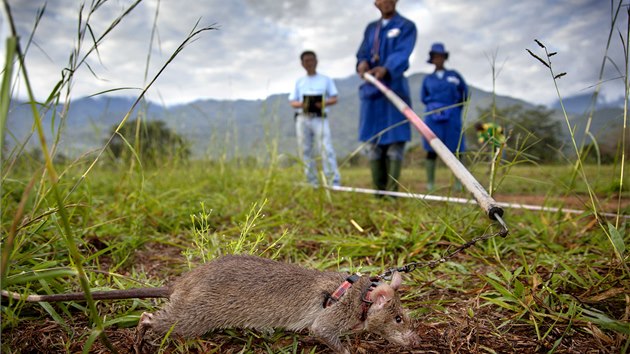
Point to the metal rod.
(482, 197)
(505, 230)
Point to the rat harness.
(330, 299)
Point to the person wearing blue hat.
(384, 53)
(443, 93)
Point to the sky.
(254, 51)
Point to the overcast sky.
(254, 52)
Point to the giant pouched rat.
(241, 291)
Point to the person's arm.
(331, 101)
(362, 68)
(331, 93)
(379, 72)
(363, 54)
(424, 92)
(463, 88)
(295, 100)
(328, 101)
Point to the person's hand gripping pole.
(485, 201)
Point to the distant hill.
(216, 127)
(605, 124)
(583, 103)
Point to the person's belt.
(310, 115)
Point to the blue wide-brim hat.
(437, 48)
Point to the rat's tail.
(135, 293)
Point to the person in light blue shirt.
(311, 97)
(384, 53)
(443, 92)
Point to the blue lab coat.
(397, 40)
(439, 92)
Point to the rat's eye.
(398, 319)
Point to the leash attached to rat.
(261, 293)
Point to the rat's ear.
(396, 281)
(381, 295)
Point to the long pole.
(485, 201)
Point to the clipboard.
(309, 104)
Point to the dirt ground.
(450, 330)
(453, 333)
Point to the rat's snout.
(414, 339)
(405, 339)
(410, 339)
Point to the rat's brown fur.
(253, 292)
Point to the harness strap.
(341, 290)
(366, 302)
(330, 299)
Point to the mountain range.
(249, 127)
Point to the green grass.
(513, 179)
(553, 273)
(558, 283)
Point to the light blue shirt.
(317, 84)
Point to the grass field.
(554, 284)
(559, 282)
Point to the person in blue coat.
(443, 92)
(384, 53)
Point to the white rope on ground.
(438, 198)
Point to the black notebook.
(309, 104)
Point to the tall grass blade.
(5, 88)
(617, 241)
(603, 320)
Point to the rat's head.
(387, 317)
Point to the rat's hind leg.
(144, 324)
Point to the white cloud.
(255, 51)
